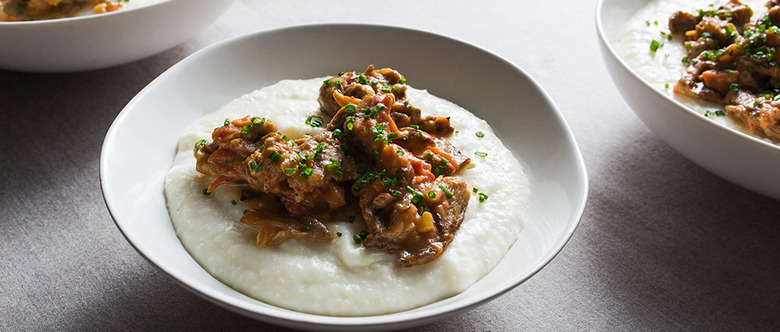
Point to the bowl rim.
(74, 19)
(741, 136)
(406, 318)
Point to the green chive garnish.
(314, 121)
(446, 191)
(255, 166)
(275, 157)
(654, 45)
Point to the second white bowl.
(104, 40)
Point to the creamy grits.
(342, 278)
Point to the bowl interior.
(692, 134)
(611, 15)
(140, 145)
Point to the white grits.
(341, 278)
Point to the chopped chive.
(314, 121)
(389, 182)
(446, 191)
(734, 87)
(337, 133)
(654, 45)
(306, 172)
(275, 156)
(358, 238)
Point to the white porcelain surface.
(737, 157)
(139, 148)
(104, 40)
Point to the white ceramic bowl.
(735, 156)
(139, 148)
(104, 40)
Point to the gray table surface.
(663, 244)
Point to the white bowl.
(104, 40)
(733, 155)
(139, 148)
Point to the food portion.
(726, 52)
(350, 195)
(296, 179)
(733, 61)
(403, 172)
(410, 198)
(29, 10)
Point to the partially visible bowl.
(738, 157)
(140, 146)
(104, 40)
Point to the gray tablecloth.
(663, 244)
